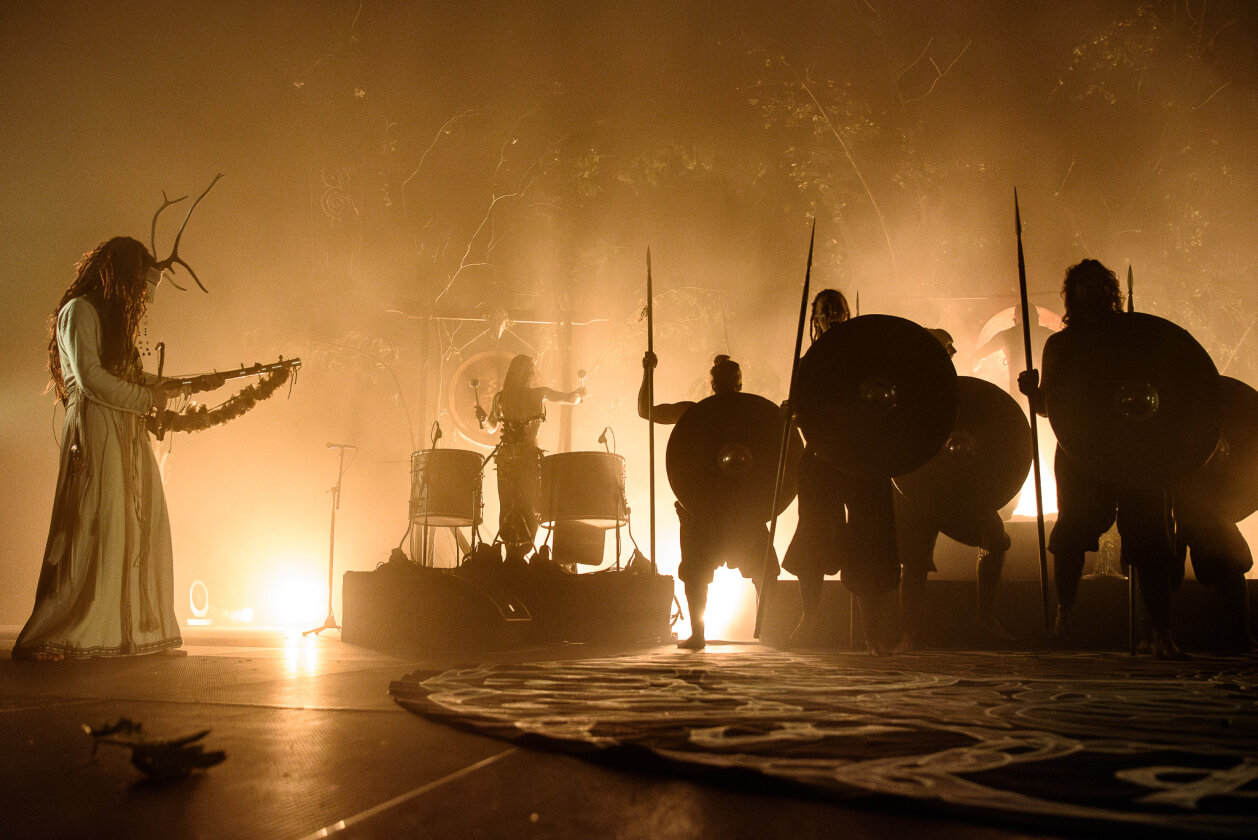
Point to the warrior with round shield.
(720, 460)
(959, 493)
(1133, 400)
(846, 523)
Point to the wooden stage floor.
(316, 747)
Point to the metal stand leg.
(329, 623)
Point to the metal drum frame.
(586, 487)
(440, 491)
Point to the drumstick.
(476, 394)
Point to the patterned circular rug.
(1058, 741)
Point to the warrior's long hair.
(111, 277)
(1090, 290)
(838, 304)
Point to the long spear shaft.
(1035, 435)
(788, 427)
(650, 395)
(1131, 570)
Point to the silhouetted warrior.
(731, 538)
(1088, 506)
(846, 524)
(917, 531)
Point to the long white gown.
(106, 587)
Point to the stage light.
(731, 605)
(296, 594)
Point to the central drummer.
(721, 535)
(518, 410)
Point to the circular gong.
(1135, 402)
(722, 457)
(487, 369)
(876, 395)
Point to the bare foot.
(1164, 647)
(695, 642)
(807, 634)
(905, 645)
(877, 649)
(1061, 627)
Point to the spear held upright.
(788, 426)
(650, 395)
(1035, 436)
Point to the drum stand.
(329, 623)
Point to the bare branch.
(939, 74)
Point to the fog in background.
(408, 185)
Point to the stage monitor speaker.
(424, 608)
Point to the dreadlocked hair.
(111, 277)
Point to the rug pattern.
(1071, 741)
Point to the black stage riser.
(501, 607)
(1099, 621)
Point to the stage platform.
(316, 747)
(402, 606)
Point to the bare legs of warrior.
(697, 603)
(1155, 592)
(809, 632)
(913, 600)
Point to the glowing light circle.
(203, 610)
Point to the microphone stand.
(329, 623)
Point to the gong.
(487, 369)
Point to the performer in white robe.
(106, 587)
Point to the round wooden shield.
(984, 461)
(722, 457)
(876, 395)
(1136, 402)
(1226, 488)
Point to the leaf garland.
(202, 417)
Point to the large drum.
(445, 487)
(586, 487)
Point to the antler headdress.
(174, 259)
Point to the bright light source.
(296, 594)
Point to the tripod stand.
(329, 623)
